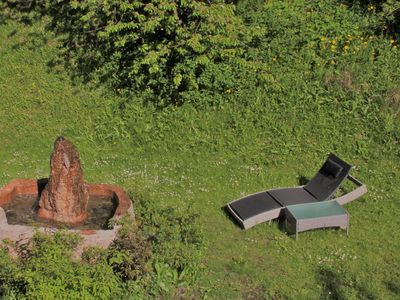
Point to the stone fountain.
(62, 200)
(66, 195)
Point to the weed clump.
(129, 254)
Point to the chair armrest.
(357, 193)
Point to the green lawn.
(204, 169)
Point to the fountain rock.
(66, 195)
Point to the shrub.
(11, 284)
(391, 15)
(386, 12)
(159, 48)
(129, 254)
(178, 246)
(46, 271)
(25, 11)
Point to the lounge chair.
(270, 204)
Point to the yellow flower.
(392, 41)
(346, 47)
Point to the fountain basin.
(19, 190)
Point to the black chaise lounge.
(268, 205)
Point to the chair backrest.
(329, 178)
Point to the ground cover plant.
(310, 78)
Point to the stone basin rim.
(33, 187)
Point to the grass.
(203, 160)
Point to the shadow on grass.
(58, 65)
(342, 285)
(303, 180)
(32, 41)
(392, 281)
(394, 287)
(228, 215)
(330, 283)
(29, 13)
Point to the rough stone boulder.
(65, 197)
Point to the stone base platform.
(22, 233)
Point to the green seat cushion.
(316, 210)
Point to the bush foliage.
(45, 270)
(160, 48)
(178, 245)
(210, 52)
(165, 253)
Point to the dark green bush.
(129, 254)
(164, 253)
(11, 284)
(26, 11)
(175, 235)
(386, 12)
(391, 15)
(178, 246)
(46, 271)
(160, 48)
